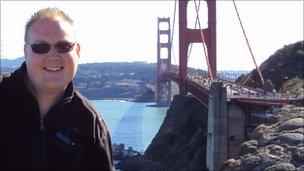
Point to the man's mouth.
(52, 69)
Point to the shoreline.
(115, 99)
(123, 100)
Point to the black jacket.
(71, 136)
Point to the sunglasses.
(43, 48)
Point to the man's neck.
(46, 97)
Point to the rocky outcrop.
(129, 163)
(278, 146)
(283, 71)
(180, 143)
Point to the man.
(45, 123)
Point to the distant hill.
(115, 80)
(284, 70)
(109, 80)
(11, 63)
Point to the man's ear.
(78, 49)
(25, 51)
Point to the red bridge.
(196, 85)
(233, 109)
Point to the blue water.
(131, 123)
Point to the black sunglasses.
(43, 48)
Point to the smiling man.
(46, 124)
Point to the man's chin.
(51, 87)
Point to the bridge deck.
(199, 87)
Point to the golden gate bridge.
(199, 85)
(226, 101)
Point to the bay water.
(132, 123)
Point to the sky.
(126, 31)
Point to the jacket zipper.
(40, 148)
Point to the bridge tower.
(217, 106)
(163, 90)
(187, 36)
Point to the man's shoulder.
(85, 104)
(87, 107)
(12, 77)
(82, 99)
(8, 84)
(4, 76)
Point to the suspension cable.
(172, 33)
(190, 48)
(253, 58)
(203, 39)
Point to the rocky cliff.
(284, 70)
(275, 147)
(180, 143)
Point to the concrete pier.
(236, 129)
(217, 151)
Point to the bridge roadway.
(199, 87)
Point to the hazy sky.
(127, 30)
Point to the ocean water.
(131, 123)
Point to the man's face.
(52, 70)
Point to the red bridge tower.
(163, 90)
(187, 36)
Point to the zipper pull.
(41, 125)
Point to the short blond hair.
(51, 13)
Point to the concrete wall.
(236, 129)
(217, 151)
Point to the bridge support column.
(217, 150)
(163, 90)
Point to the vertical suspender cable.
(256, 66)
(203, 39)
(172, 33)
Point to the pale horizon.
(126, 31)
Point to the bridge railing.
(233, 90)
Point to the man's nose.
(53, 53)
